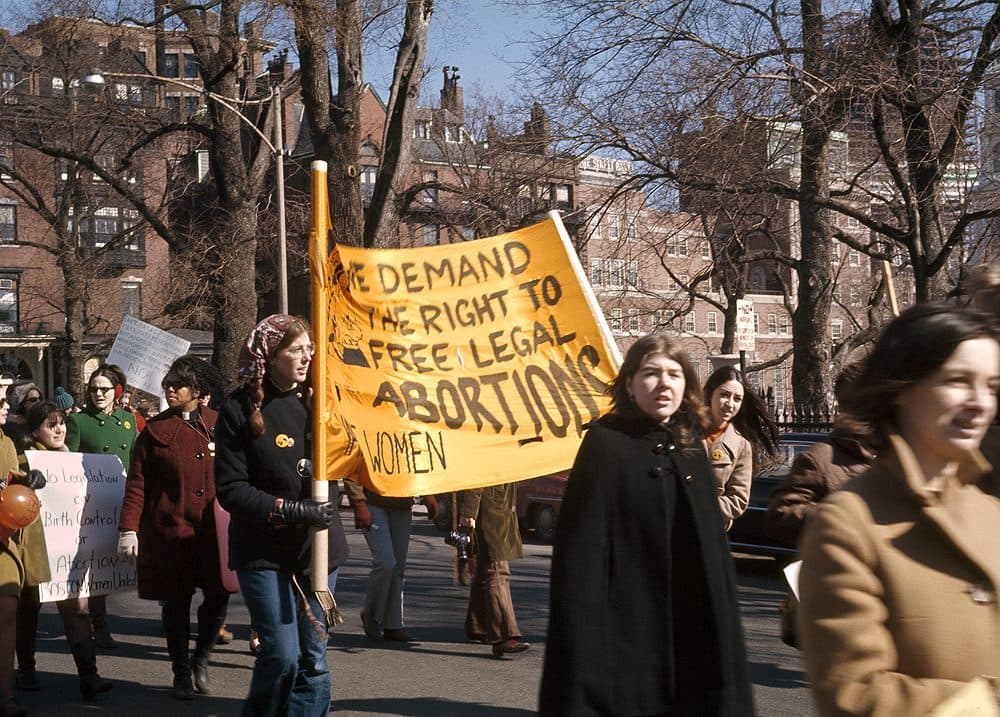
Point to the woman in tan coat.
(900, 576)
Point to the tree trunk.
(811, 320)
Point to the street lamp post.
(95, 80)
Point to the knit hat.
(63, 399)
(260, 345)
(17, 392)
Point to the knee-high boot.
(178, 629)
(211, 617)
(85, 657)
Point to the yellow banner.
(462, 365)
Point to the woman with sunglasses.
(168, 524)
(103, 427)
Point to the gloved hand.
(128, 545)
(33, 479)
(431, 503)
(362, 516)
(307, 512)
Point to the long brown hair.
(691, 418)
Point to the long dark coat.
(168, 501)
(643, 617)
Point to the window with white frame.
(756, 322)
(562, 196)
(633, 274)
(616, 319)
(9, 305)
(132, 298)
(706, 250)
(615, 273)
(191, 65)
(595, 228)
(8, 79)
(661, 320)
(453, 133)
(836, 329)
(58, 86)
(855, 257)
(596, 271)
(712, 322)
(772, 323)
(612, 225)
(171, 65)
(430, 195)
(783, 324)
(422, 129)
(630, 228)
(690, 324)
(633, 320)
(431, 234)
(8, 223)
(779, 386)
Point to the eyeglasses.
(302, 351)
(32, 399)
(101, 389)
(172, 385)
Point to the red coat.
(168, 501)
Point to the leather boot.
(178, 629)
(26, 677)
(102, 633)
(85, 656)
(208, 636)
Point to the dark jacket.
(644, 616)
(251, 472)
(816, 472)
(495, 511)
(168, 501)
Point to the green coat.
(93, 431)
(495, 511)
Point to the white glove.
(128, 545)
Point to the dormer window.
(422, 129)
(453, 133)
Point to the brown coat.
(731, 456)
(495, 511)
(816, 472)
(899, 589)
(168, 501)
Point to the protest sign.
(144, 353)
(80, 506)
(463, 365)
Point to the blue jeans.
(389, 540)
(291, 676)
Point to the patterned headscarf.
(260, 346)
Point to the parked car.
(747, 533)
(538, 501)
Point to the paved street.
(440, 676)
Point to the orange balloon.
(19, 506)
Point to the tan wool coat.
(898, 589)
(731, 457)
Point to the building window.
(660, 320)
(368, 176)
(616, 273)
(173, 107)
(836, 329)
(756, 323)
(429, 196)
(706, 251)
(596, 271)
(468, 233)
(6, 158)
(855, 294)
(58, 86)
(452, 133)
(8, 223)
(595, 228)
(192, 103)
(855, 257)
(677, 245)
(132, 298)
(171, 65)
(630, 227)
(690, 324)
(9, 313)
(431, 235)
(612, 226)
(633, 320)
(779, 386)
(772, 323)
(563, 196)
(712, 318)
(633, 274)
(783, 324)
(422, 129)
(190, 65)
(7, 80)
(616, 319)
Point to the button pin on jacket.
(656, 472)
